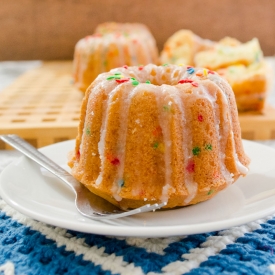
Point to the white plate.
(34, 192)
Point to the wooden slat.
(258, 126)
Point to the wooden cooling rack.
(42, 106)
(258, 126)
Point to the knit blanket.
(28, 246)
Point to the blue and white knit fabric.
(32, 247)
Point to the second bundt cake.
(242, 64)
(158, 134)
(112, 45)
(182, 47)
(249, 83)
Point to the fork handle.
(32, 153)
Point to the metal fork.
(87, 203)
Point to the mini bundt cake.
(112, 45)
(249, 83)
(182, 47)
(158, 134)
(224, 55)
(242, 64)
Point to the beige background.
(49, 29)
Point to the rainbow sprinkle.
(185, 81)
(216, 174)
(157, 132)
(78, 155)
(115, 161)
(135, 82)
(117, 75)
(166, 108)
(114, 77)
(110, 77)
(200, 118)
(112, 159)
(147, 82)
(195, 84)
(190, 166)
(190, 70)
(196, 151)
(210, 192)
(156, 145)
(199, 73)
(122, 80)
(208, 147)
(88, 131)
(119, 79)
(121, 183)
